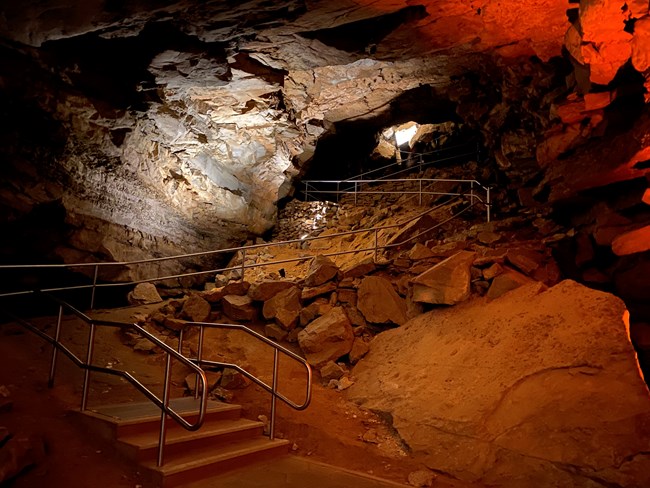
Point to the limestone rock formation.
(379, 302)
(448, 282)
(239, 307)
(144, 293)
(536, 388)
(284, 307)
(327, 338)
(321, 270)
(196, 309)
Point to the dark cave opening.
(346, 150)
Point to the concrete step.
(187, 467)
(113, 421)
(144, 446)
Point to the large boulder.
(144, 294)
(446, 283)
(379, 302)
(327, 338)
(284, 308)
(196, 309)
(264, 290)
(321, 270)
(238, 307)
(540, 387)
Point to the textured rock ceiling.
(154, 127)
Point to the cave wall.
(161, 128)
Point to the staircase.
(224, 442)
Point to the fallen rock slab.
(144, 294)
(321, 270)
(267, 289)
(446, 283)
(540, 387)
(507, 280)
(196, 309)
(327, 338)
(379, 302)
(239, 307)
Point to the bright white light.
(403, 136)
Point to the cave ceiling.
(154, 127)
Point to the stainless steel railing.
(356, 188)
(88, 366)
(242, 250)
(417, 161)
(277, 349)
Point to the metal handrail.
(420, 154)
(277, 348)
(242, 249)
(355, 190)
(87, 366)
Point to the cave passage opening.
(418, 126)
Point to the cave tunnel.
(345, 150)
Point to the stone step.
(144, 446)
(187, 467)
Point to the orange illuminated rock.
(539, 386)
(238, 307)
(267, 289)
(327, 338)
(632, 242)
(595, 101)
(508, 280)
(446, 283)
(641, 44)
(572, 42)
(196, 309)
(284, 307)
(646, 197)
(379, 302)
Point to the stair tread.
(147, 440)
(144, 411)
(187, 461)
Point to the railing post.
(306, 192)
(274, 392)
(376, 244)
(92, 295)
(471, 192)
(55, 349)
(420, 193)
(180, 340)
(338, 189)
(355, 192)
(199, 356)
(488, 205)
(163, 415)
(89, 360)
(243, 263)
